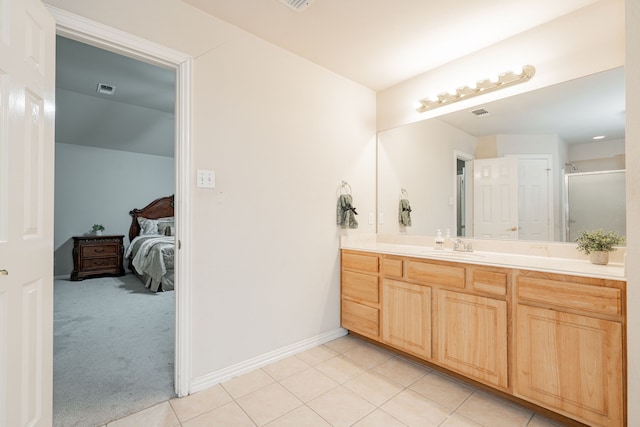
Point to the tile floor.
(345, 382)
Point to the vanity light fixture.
(506, 79)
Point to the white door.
(495, 198)
(535, 216)
(27, 88)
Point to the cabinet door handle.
(4, 273)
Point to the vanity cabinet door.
(406, 317)
(472, 336)
(570, 363)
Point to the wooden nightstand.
(97, 256)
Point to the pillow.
(164, 224)
(147, 226)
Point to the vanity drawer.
(491, 281)
(360, 261)
(360, 318)
(392, 267)
(360, 286)
(438, 274)
(579, 296)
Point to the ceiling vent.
(480, 112)
(297, 5)
(106, 89)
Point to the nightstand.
(97, 256)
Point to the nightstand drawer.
(99, 251)
(99, 263)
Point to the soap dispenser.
(448, 243)
(439, 240)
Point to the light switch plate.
(205, 178)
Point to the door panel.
(27, 87)
(495, 189)
(534, 214)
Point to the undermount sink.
(448, 253)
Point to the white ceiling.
(138, 117)
(377, 43)
(380, 43)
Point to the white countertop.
(577, 267)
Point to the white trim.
(216, 377)
(102, 36)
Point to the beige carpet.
(113, 349)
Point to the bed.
(152, 244)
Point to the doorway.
(463, 199)
(99, 35)
(115, 140)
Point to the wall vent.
(106, 89)
(297, 5)
(480, 112)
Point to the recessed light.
(599, 137)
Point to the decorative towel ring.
(404, 194)
(345, 187)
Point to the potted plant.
(97, 229)
(597, 244)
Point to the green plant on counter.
(598, 240)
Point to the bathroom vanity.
(544, 330)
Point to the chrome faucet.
(459, 246)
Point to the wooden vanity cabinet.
(554, 340)
(472, 326)
(406, 317)
(569, 346)
(428, 310)
(359, 289)
(472, 336)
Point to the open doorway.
(115, 142)
(463, 200)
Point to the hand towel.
(346, 212)
(404, 213)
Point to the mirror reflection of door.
(495, 201)
(513, 198)
(463, 193)
(461, 217)
(535, 197)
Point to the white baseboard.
(209, 380)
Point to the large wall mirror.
(525, 167)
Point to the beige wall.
(632, 138)
(281, 134)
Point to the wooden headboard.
(159, 208)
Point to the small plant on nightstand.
(97, 229)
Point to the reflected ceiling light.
(599, 137)
(506, 79)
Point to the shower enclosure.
(595, 200)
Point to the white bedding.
(152, 257)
